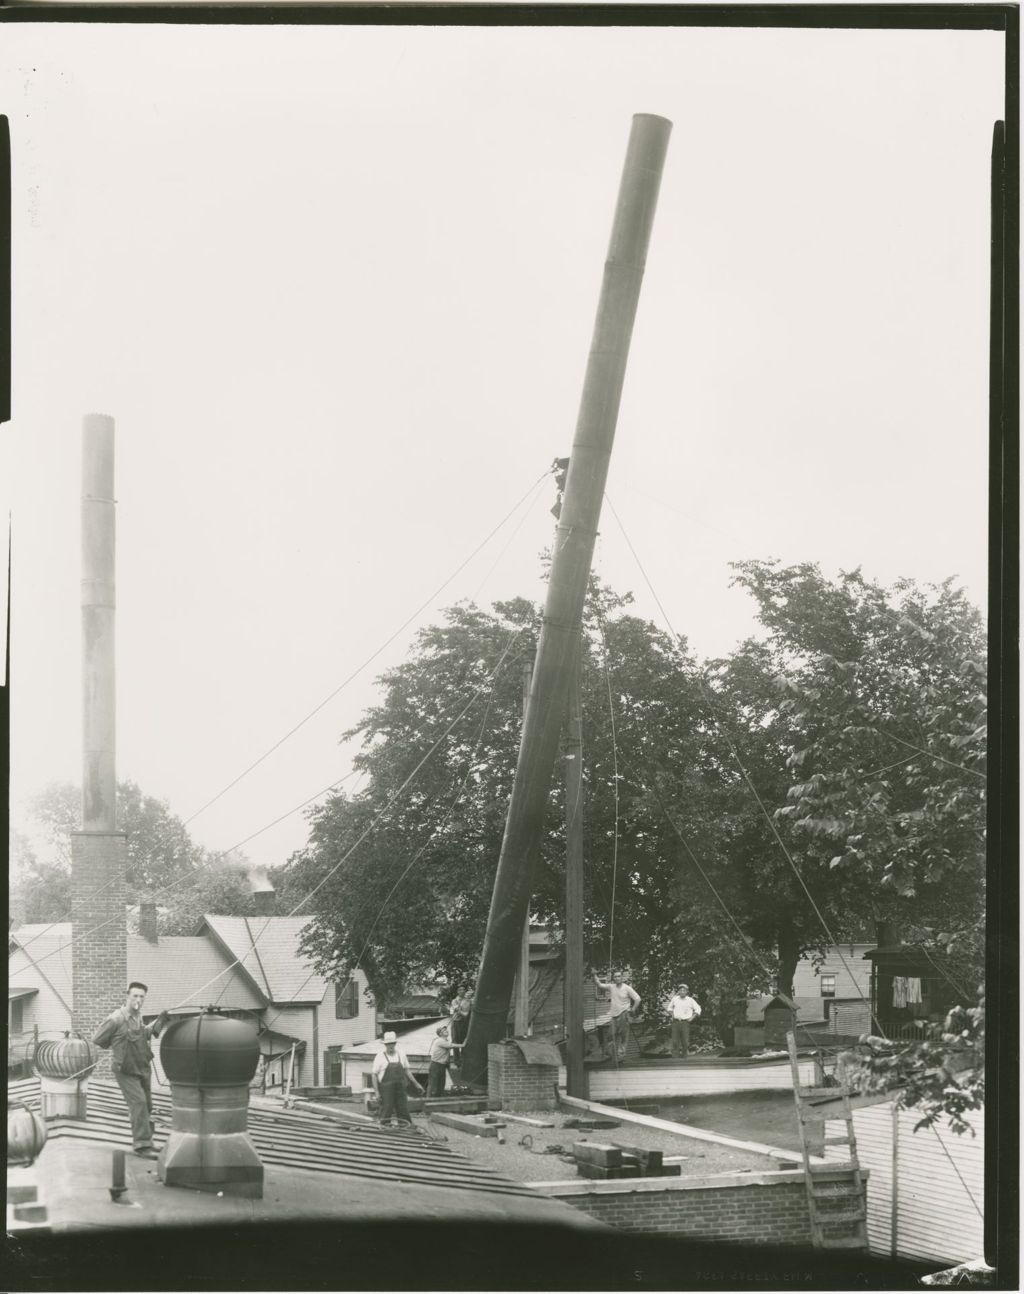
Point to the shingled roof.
(267, 948)
(175, 967)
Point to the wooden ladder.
(836, 1202)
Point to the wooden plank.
(465, 1123)
(645, 1158)
(681, 1129)
(530, 1123)
(598, 1171)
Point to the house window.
(368, 1080)
(828, 986)
(17, 1023)
(346, 999)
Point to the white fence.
(936, 1211)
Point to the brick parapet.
(517, 1085)
(770, 1209)
(99, 967)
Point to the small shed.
(779, 1019)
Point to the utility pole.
(575, 1074)
(567, 586)
(521, 1023)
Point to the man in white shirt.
(682, 1009)
(391, 1073)
(440, 1055)
(624, 1003)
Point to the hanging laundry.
(913, 990)
(899, 990)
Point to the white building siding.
(43, 1009)
(297, 1022)
(846, 962)
(347, 1033)
(940, 1184)
(610, 1084)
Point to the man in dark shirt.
(131, 1056)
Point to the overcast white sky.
(336, 286)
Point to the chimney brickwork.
(99, 967)
(148, 921)
(99, 853)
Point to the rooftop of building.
(175, 968)
(315, 1166)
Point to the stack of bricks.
(99, 950)
(519, 1087)
(605, 1162)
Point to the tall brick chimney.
(147, 921)
(99, 850)
(264, 902)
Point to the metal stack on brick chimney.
(99, 850)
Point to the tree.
(942, 1075)
(707, 859)
(882, 691)
(164, 863)
(405, 875)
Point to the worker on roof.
(131, 1057)
(682, 1008)
(462, 1009)
(391, 1074)
(625, 1001)
(440, 1055)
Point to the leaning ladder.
(836, 1202)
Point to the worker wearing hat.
(391, 1073)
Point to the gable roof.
(45, 955)
(191, 971)
(174, 967)
(414, 1043)
(267, 949)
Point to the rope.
(440, 588)
(451, 807)
(736, 756)
(168, 889)
(373, 656)
(392, 800)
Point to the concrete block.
(598, 1172)
(593, 1152)
(22, 1194)
(30, 1212)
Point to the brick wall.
(517, 1085)
(100, 958)
(762, 1208)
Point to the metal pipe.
(567, 584)
(99, 785)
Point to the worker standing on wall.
(391, 1073)
(683, 1009)
(625, 1001)
(131, 1057)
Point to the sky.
(336, 287)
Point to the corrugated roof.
(268, 949)
(174, 967)
(295, 1138)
